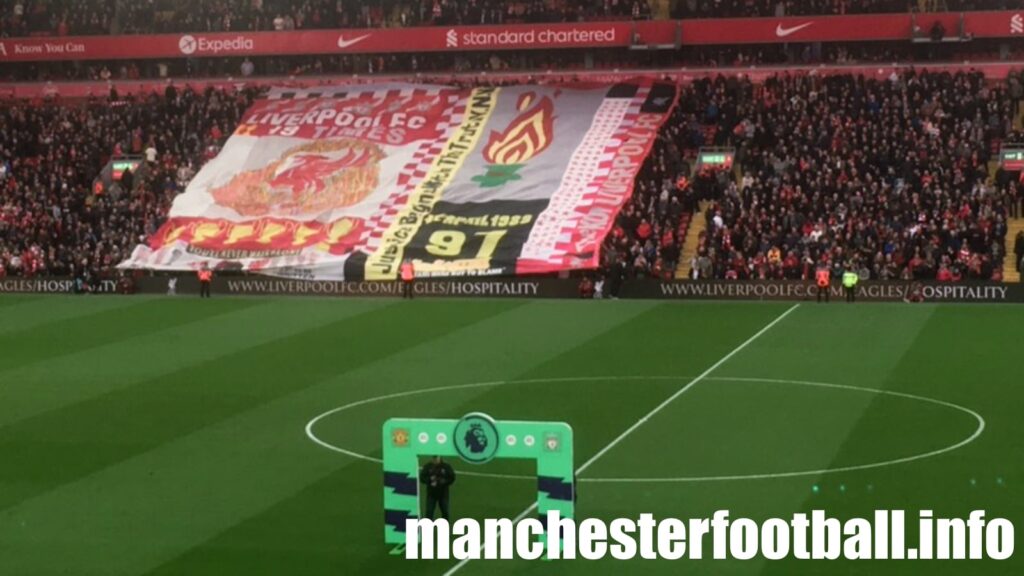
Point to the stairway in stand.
(1010, 273)
(661, 9)
(1013, 225)
(697, 225)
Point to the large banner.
(348, 182)
(565, 35)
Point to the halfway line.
(651, 414)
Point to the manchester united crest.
(400, 437)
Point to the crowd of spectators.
(649, 231)
(647, 238)
(888, 176)
(56, 17)
(841, 53)
(255, 15)
(515, 60)
(52, 221)
(362, 64)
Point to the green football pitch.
(150, 435)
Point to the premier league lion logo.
(476, 439)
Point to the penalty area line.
(618, 439)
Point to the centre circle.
(312, 424)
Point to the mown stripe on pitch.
(203, 484)
(49, 341)
(907, 367)
(865, 345)
(51, 309)
(501, 347)
(64, 445)
(327, 520)
(323, 523)
(11, 300)
(669, 340)
(58, 382)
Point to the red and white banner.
(347, 182)
(852, 28)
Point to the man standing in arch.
(438, 475)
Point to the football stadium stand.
(896, 173)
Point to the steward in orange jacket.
(408, 273)
(205, 277)
(823, 278)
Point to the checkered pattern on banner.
(552, 237)
(629, 120)
(412, 174)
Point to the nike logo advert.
(783, 32)
(342, 43)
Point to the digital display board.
(1011, 157)
(119, 166)
(716, 158)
